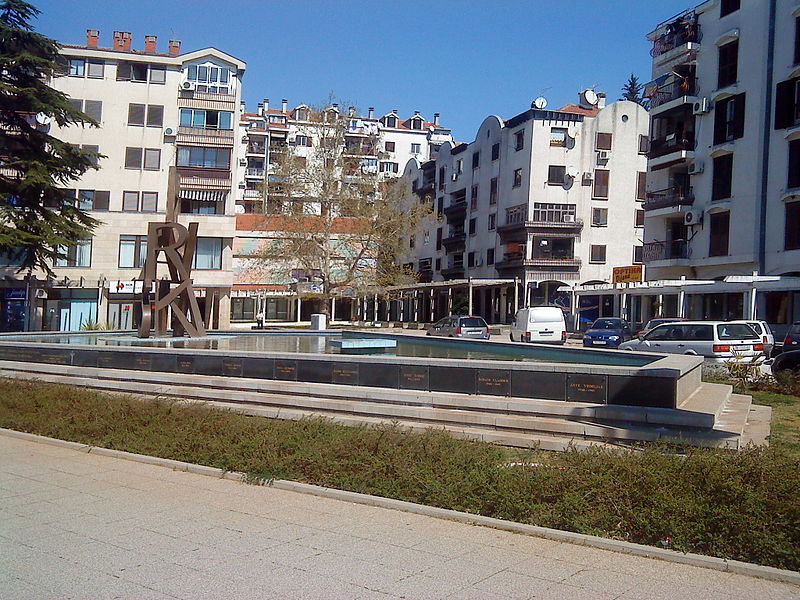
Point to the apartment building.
(537, 203)
(383, 144)
(155, 110)
(722, 215)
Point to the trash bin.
(319, 322)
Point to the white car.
(762, 329)
(717, 341)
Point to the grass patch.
(741, 505)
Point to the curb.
(696, 560)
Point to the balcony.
(516, 231)
(670, 91)
(252, 194)
(671, 149)
(453, 271)
(254, 172)
(457, 211)
(257, 149)
(425, 275)
(455, 242)
(680, 37)
(515, 260)
(669, 197)
(665, 250)
(204, 137)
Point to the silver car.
(717, 341)
(762, 329)
(462, 327)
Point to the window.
(302, 140)
(727, 73)
(131, 201)
(79, 255)
(558, 136)
(556, 174)
(158, 74)
(207, 119)
(132, 251)
(389, 167)
(729, 119)
(519, 140)
(517, 177)
(92, 148)
(600, 189)
(416, 123)
(644, 144)
(133, 158)
(787, 102)
(638, 218)
(92, 199)
(553, 213)
(416, 148)
(490, 256)
(136, 114)
(441, 178)
(208, 254)
(603, 141)
(210, 158)
(389, 146)
(495, 151)
(77, 67)
(459, 166)
(476, 160)
(210, 79)
(493, 191)
(793, 180)
(721, 186)
(152, 159)
(641, 186)
(599, 217)
(95, 69)
(470, 259)
(426, 239)
(726, 7)
(438, 264)
(439, 239)
(155, 115)
(472, 224)
(597, 254)
(797, 40)
(719, 224)
(792, 229)
(94, 110)
(473, 202)
(412, 241)
(131, 71)
(492, 219)
(637, 254)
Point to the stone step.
(757, 429)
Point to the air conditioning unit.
(188, 86)
(696, 167)
(242, 162)
(693, 217)
(587, 176)
(603, 154)
(569, 218)
(41, 294)
(701, 107)
(170, 131)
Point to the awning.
(204, 195)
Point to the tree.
(336, 222)
(38, 217)
(632, 90)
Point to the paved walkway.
(76, 525)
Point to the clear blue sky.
(465, 59)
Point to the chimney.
(436, 119)
(351, 111)
(92, 38)
(174, 47)
(266, 105)
(335, 106)
(260, 109)
(284, 105)
(394, 110)
(601, 99)
(242, 107)
(122, 40)
(371, 113)
(416, 113)
(150, 44)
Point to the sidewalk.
(77, 525)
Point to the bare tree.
(333, 219)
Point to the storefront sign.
(631, 274)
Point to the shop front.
(12, 309)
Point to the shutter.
(94, 110)
(644, 144)
(136, 114)
(130, 201)
(101, 198)
(719, 121)
(76, 104)
(738, 116)
(152, 159)
(133, 158)
(155, 115)
(149, 201)
(124, 71)
(603, 141)
(158, 74)
(784, 104)
(600, 183)
(793, 180)
(641, 186)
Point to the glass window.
(136, 113)
(76, 67)
(152, 159)
(736, 331)
(598, 254)
(130, 201)
(208, 254)
(556, 174)
(225, 119)
(95, 69)
(416, 148)
(495, 151)
(519, 140)
(158, 74)
(599, 217)
(79, 255)
(86, 199)
(149, 201)
(558, 136)
(132, 251)
(517, 177)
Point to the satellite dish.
(572, 171)
(239, 210)
(540, 102)
(43, 119)
(573, 131)
(590, 97)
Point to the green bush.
(741, 505)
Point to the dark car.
(653, 323)
(786, 363)
(462, 327)
(792, 339)
(607, 333)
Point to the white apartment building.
(722, 224)
(538, 203)
(155, 110)
(384, 144)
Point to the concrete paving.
(77, 525)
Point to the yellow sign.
(631, 274)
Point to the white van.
(539, 324)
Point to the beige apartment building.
(155, 110)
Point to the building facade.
(155, 110)
(543, 201)
(382, 144)
(722, 215)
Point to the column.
(432, 307)
(416, 306)
(333, 309)
(224, 308)
(503, 309)
(375, 307)
(297, 309)
(469, 292)
(516, 291)
(449, 301)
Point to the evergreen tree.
(38, 217)
(632, 90)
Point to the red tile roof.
(579, 110)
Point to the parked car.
(786, 363)
(792, 339)
(607, 333)
(461, 327)
(717, 341)
(539, 324)
(652, 323)
(762, 329)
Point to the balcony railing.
(252, 172)
(670, 87)
(665, 250)
(252, 194)
(673, 142)
(673, 196)
(256, 149)
(681, 31)
(513, 260)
